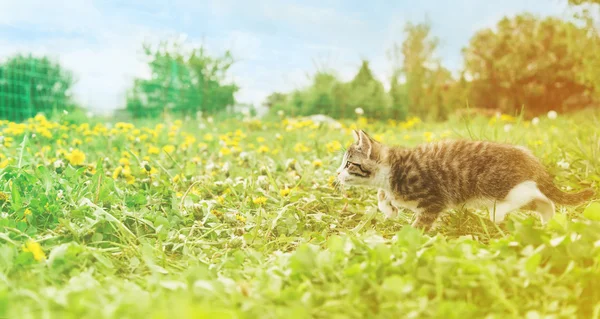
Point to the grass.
(239, 219)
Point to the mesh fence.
(181, 87)
(30, 85)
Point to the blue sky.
(276, 43)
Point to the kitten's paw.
(387, 208)
(381, 195)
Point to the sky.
(277, 44)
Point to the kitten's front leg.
(385, 204)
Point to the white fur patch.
(519, 196)
(410, 205)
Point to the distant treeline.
(524, 63)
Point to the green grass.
(197, 229)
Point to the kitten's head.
(361, 164)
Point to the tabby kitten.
(436, 176)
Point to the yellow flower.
(221, 199)
(240, 218)
(225, 151)
(76, 157)
(130, 179)
(263, 149)
(34, 247)
(153, 150)
(317, 163)
(429, 136)
(284, 192)
(333, 146)
(3, 197)
(124, 161)
(300, 148)
(208, 137)
(169, 149)
(117, 172)
(259, 200)
(4, 163)
(331, 180)
(27, 212)
(177, 178)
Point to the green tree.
(182, 82)
(426, 79)
(399, 98)
(368, 93)
(31, 85)
(531, 63)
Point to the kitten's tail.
(560, 197)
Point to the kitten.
(436, 176)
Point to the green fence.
(30, 85)
(181, 87)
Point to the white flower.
(359, 111)
(552, 115)
(280, 112)
(58, 163)
(65, 112)
(225, 167)
(243, 155)
(209, 119)
(535, 121)
(262, 179)
(563, 164)
(60, 194)
(507, 127)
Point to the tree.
(398, 97)
(182, 82)
(31, 85)
(531, 63)
(367, 92)
(426, 79)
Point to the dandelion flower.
(284, 192)
(76, 157)
(34, 248)
(259, 200)
(317, 163)
(225, 151)
(153, 150)
(208, 137)
(333, 146)
(552, 115)
(169, 149)
(117, 172)
(263, 149)
(535, 121)
(359, 111)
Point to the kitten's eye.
(350, 163)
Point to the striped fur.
(433, 177)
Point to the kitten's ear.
(356, 136)
(364, 143)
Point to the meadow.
(240, 219)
